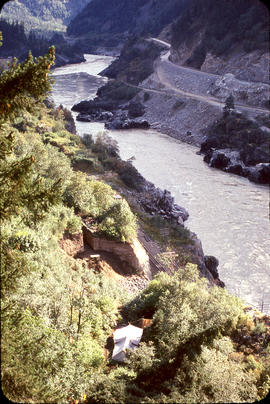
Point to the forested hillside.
(17, 43)
(102, 20)
(48, 15)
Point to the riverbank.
(224, 208)
(159, 98)
(159, 217)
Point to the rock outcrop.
(256, 94)
(229, 160)
(155, 201)
(211, 264)
(127, 124)
(112, 113)
(239, 145)
(132, 253)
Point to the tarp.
(125, 338)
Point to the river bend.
(228, 213)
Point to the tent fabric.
(125, 338)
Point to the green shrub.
(74, 225)
(87, 140)
(260, 328)
(24, 241)
(119, 222)
(95, 198)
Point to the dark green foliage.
(229, 105)
(24, 84)
(21, 88)
(130, 176)
(87, 140)
(184, 356)
(18, 43)
(69, 120)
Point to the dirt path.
(195, 82)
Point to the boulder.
(227, 160)
(94, 106)
(211, 264)
(82, 117)
(254, 155)
(180, 221)
(119, 123)
(217, 159)
(181, 212)
(156, 201)
(260, 173)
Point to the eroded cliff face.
(224, 36)
(253, 66)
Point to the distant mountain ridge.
(48, 15)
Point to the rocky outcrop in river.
(240, 146)
(229, 161)
(120, 114)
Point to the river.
(228, 213)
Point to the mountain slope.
(46, 15)
(107, 17)
(224, 36)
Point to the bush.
(87, 140)
(259, 328)
(24, 241)
(146, 97)
(130, 176)
(119, 222)
(74, 225)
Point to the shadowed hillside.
(103, 18)
(48, 15)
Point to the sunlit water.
(228, 213)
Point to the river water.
(228, 213)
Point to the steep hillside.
(48, 15)
(104, 20)
(17, 43)
(60, 302)
(224, 36)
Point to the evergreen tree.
(229, 105)
(22, 87)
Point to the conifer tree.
(23, 191)
(22, 87)
(229, 105)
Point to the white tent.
(125, 338)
